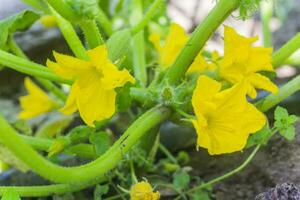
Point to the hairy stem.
(70, 35)
(104, 22)
(28, 67)
(97, 168)
(198, 39)
(91, 33)
(266, 8)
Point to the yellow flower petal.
(71, 105)
(37, 102)
(143, 191)
(94, 101)
(262, 82)
(98, 56)
(224, 127)
(174, 42)
(242, 61)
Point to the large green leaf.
(18, 22)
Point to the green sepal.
(101, 141)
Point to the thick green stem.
(220, 178)
(87, 172)
(49, 190)
(27, 67)
(150, 13)
(91, 33)
(70, 35)
(138, 45)
(273, 99)
(104, 22)
(286, 51)
(266, 8)
(198, 39)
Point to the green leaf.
(285, 123)
(100, 190)
(101, 141)
(181, 180)
(18, 22)
(11, 194)
(248, 7)
(260, 137)
(118, 44)
(201, 195)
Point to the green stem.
(27, 67)
(138, 45)
(63, 9)
(104, 22)
(198, 39)
(220, 178)
(266, 15)
(286, 51)
(70, 35)
(91, 33)
(273, 99)
(14, 47)
(89, 171)
(49, 190)
(148, 16)
(167, 153)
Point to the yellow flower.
(143, 191)
(37, 102)
(200, 65)
(93, 91)
(242, 61)
(175, 41)
(49, 21)
(224, 118)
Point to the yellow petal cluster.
(93, 91)
(224, 118)
(174, 42)
(200, 65)
(37, 102)
(143, 191)
(49, 21)
(242, 62)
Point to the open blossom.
(93, 91)
(224, 118)
(242, 62)
(37, 102)
(174, 42)
(143, 191)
